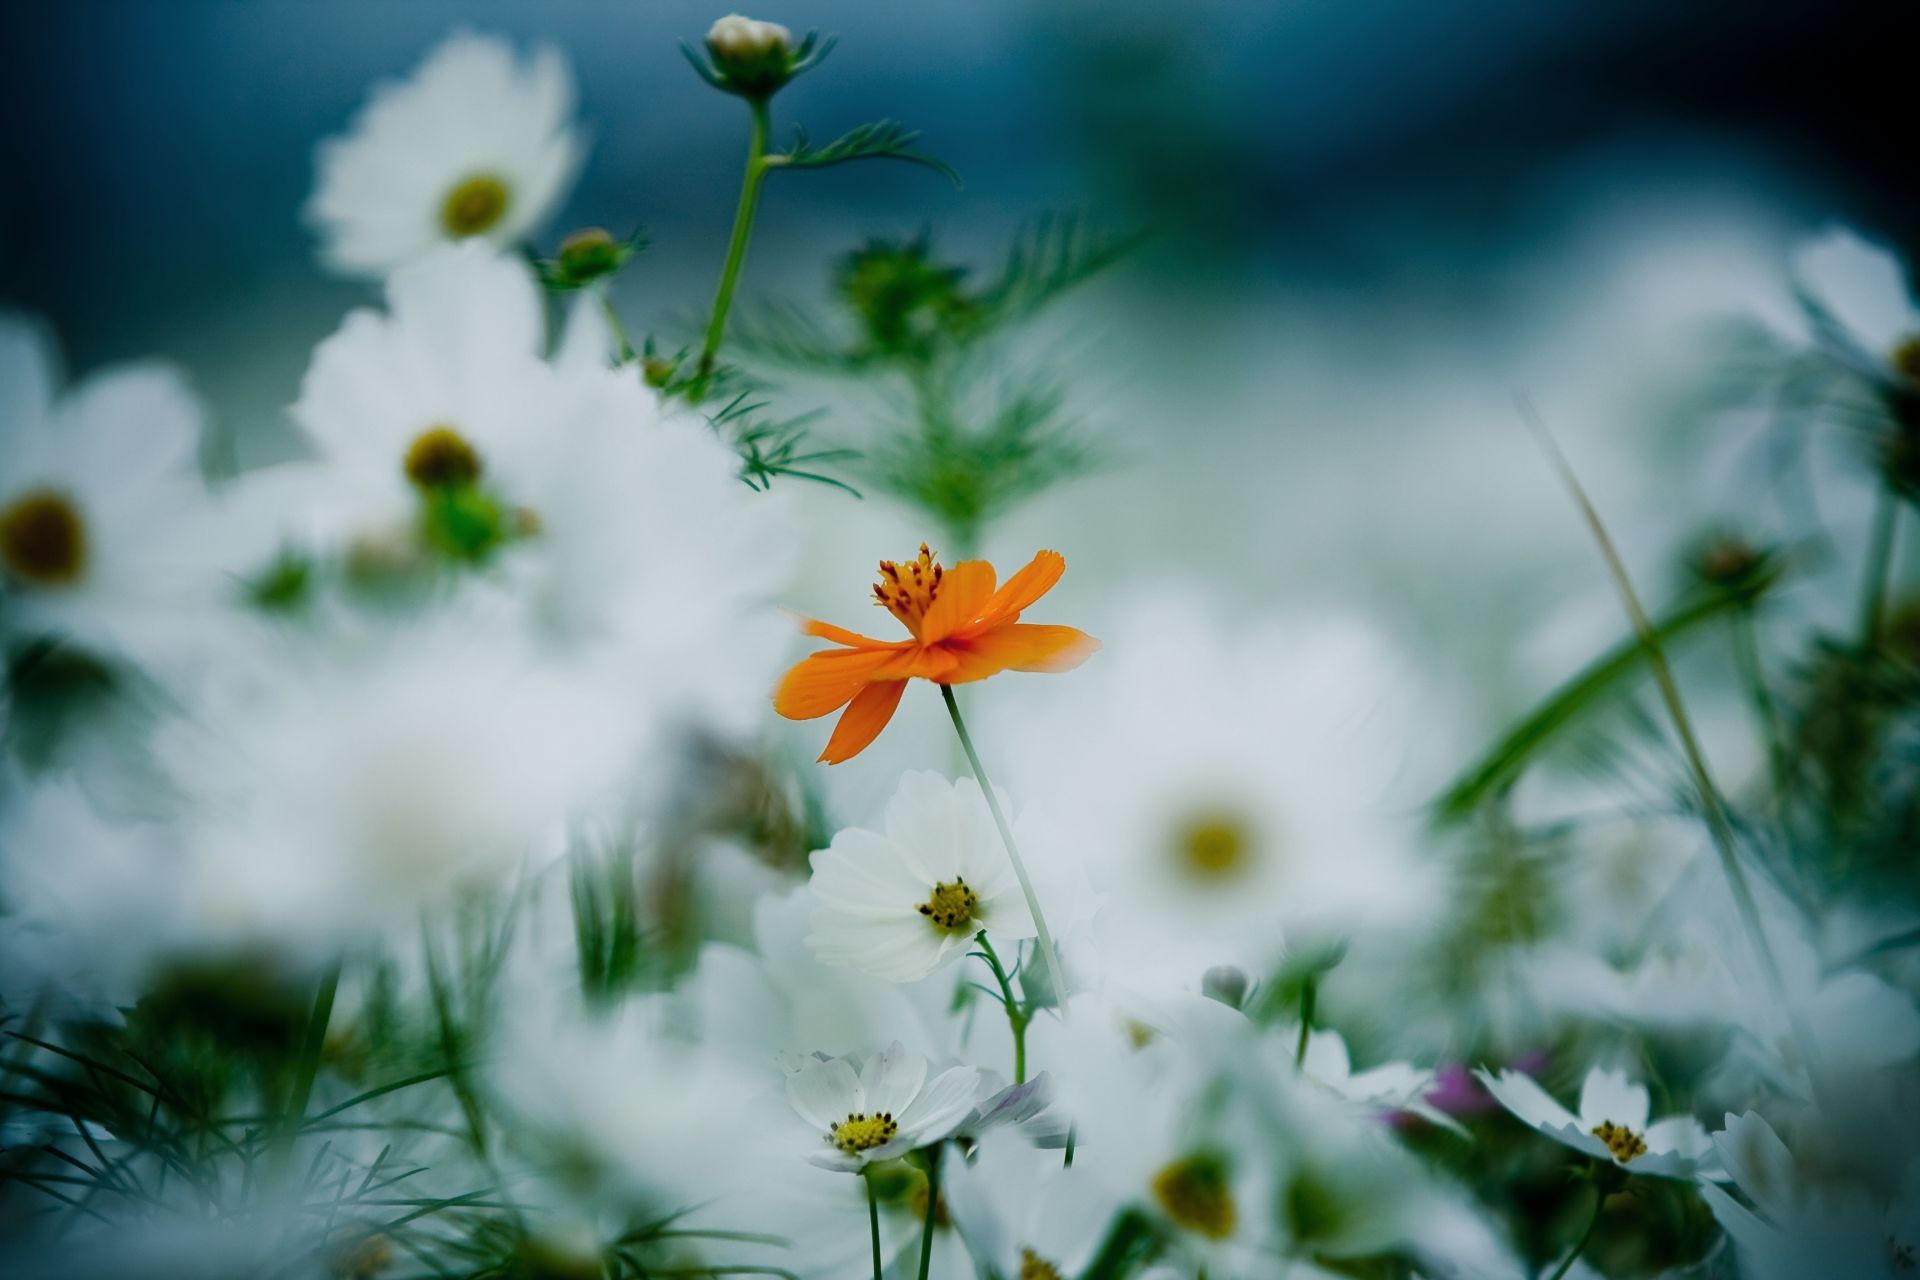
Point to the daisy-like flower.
(1861, 305)
(1023, 1213)
(108, 537)
(477, 142)
(901, 902)
(963, 629)
(1612, 1124)
(1391, 1086)
(885, 1108)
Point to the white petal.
(1860, 284)
(893, 1078)
(824, 1093)
(1522, 1095)
(1758, 1161)
(1609, 1097)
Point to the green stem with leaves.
(1047, 952)
(756, 173)
(1017, 1016)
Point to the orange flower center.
(907, 590)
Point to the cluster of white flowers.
(448, 719)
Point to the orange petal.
(826, 681)
(1020, 646)
(865, 717)
(1020, 591)
(964, 591)
(840, 635)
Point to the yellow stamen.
(907, 590)
(1214, 847)
(951, 907)
(1195, 1195)
(862, 1132)
(440, 457)
(43, 541)
(1034, 1267)
(1906, 357)
(1622, 1141)
(474, 205)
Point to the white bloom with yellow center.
(1023, 1213)
(1612, 1124)
(900, 903)
(1861, 304)
(884, 1109)
(478, 142)
(108, 536)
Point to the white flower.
(900, 904)
(1796, 1228)
(344, 779)
(478, 142)
(108, 536)
(447, 386)
(1023, 1213)
(1612, 1124)
(1231, 788)
(885, 1109)
(740, 39)
(1391, 1086)
(1861, 303)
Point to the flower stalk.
(873, 1220)
(1017, 1016)
(1047, 953)
(756, 172)
(932, 1155)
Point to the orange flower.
(963, 629)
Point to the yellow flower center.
(1214, 847)
(862, 1132)
(1622, 1141)
(907, 590)
(951, 907)
(1035, 1267)
(441, 458)
(43, 541)
(473, 205)
(1195, 1195)
(1906, 357)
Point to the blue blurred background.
(1373, 222)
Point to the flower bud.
(1226, 984)
(589, 253)
(737, 39)
(753, 59)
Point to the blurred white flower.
(1612, 1124)
(340, 781)
(108, 536)
(900, 904)
(1391, 1086)
(1023, 1213)
(885, 1109)
(1862, 303)
(90, 901)
(478, 142)
(656, 1122)
(1222, 790)
(1794, 1228)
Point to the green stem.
(873, 1222)
(308, 1067)
(1713, 804)
(618, 327)
(933, 1209)
(742, 232)
(1047, 953)
(1309, 995)
(1017, 1017)
(1746, 655)
(1879, 577)
(1566, 1265)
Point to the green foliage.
(880, 140)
